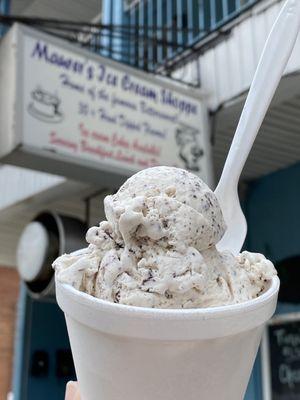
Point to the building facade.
(207, 46)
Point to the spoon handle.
(274, 58)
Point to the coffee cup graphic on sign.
(45, 106)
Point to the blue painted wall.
(41, 327)
(273, 215)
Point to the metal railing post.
(150, 44)
(4, 9)
(150, 34)
(159, 24)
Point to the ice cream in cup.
(153, 309)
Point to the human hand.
(72, 391)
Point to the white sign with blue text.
(87, 108)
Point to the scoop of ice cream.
(167, 279)
(157, 248)
(166, 204)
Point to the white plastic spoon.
(274, 58)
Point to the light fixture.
(41, 242)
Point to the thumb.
(72, 391)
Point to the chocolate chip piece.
(150, 277)
(117, 297)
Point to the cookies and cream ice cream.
(158, 248)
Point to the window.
(166, 28)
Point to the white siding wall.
(18, 184)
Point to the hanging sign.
(74, 108)
(281, 358)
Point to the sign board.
(281, 358)
(79, 114)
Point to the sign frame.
(36, 158)
(265, 351)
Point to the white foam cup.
(133, 353)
